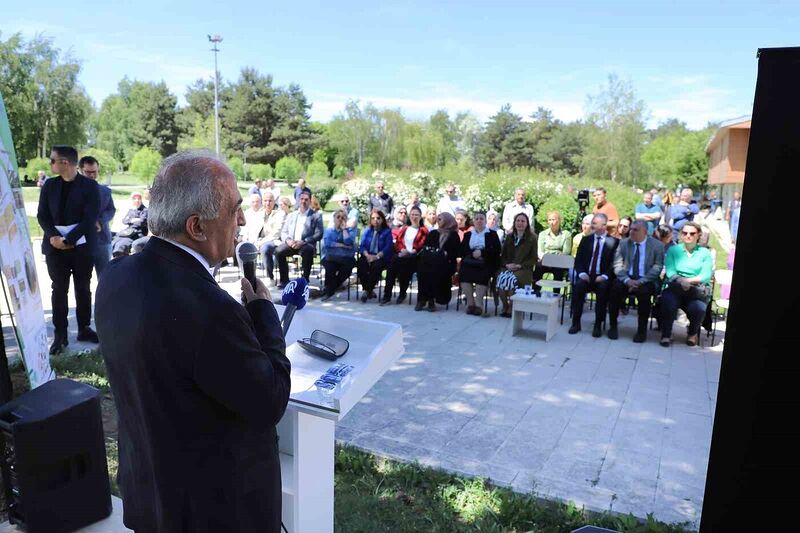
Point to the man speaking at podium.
(199, 380)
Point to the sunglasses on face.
(689, 233)
(54, 161)
(344, 201)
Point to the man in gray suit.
(637, 265)
(299, 235)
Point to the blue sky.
(695, 60)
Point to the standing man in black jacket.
(69, 204)
(199, 380)
(594, 272)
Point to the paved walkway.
(606, 424)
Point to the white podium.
(307, 430)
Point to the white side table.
(543, 305)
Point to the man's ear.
(195, 229)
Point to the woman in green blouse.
(688, 276)
(553, 240)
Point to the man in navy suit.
(199, 380)
(300, 234)
(69, 204)
(593, 271)
(90, 167)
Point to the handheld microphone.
(247, 254)
(294, 297)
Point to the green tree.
(45, 103)
(349, 134)
(141, 114)
(288, 169)
(494, 149)
(677, 158)
(260, 171)
(108, 163)
(237, 166)
(145, 163)
(317, 169)
(248, 114)
(292, 134)
(615, 133)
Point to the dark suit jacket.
(83, 207)
(107, 212)
(653, 260)
(199, 383)
(583, 258)
(312, 230)
(491, 253)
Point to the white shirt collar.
(191, 252)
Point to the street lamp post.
(216, 39)
(244, 152)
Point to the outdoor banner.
(18, 267)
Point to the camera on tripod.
(583, 199)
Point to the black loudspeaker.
(54, 458)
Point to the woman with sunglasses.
(408, 242)
(375, 253)
(399, 220)
(338, 256)
(688, 276)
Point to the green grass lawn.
(373, 494)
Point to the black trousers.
(558, 275)
(369, 273)
(580, 290)
(336, 272)
(283, 251)
(644, 296)
(400, 269)
(674, 298)
(61, 264)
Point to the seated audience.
(682, 212)
(664, 233)
(624, 228)
(688, 275)
(430, 218)
(553, 240)
(518, 257)
(450, 201)
(375, 252)
(300, 234)
(649, 212)
(463, 223)
(637, 269)
(338, 253)
(254, 220)
(255, 188)
(586, 230)
(515, 206)
(594, 269)
(399, 221)
(602, 205)
(493, 223)
(135, 227)
(437, 263)
(480, 259)
(381, 199)
(350, 211)
(414, 201)
(274, 217)
(408, 242)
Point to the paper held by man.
(64, 231)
